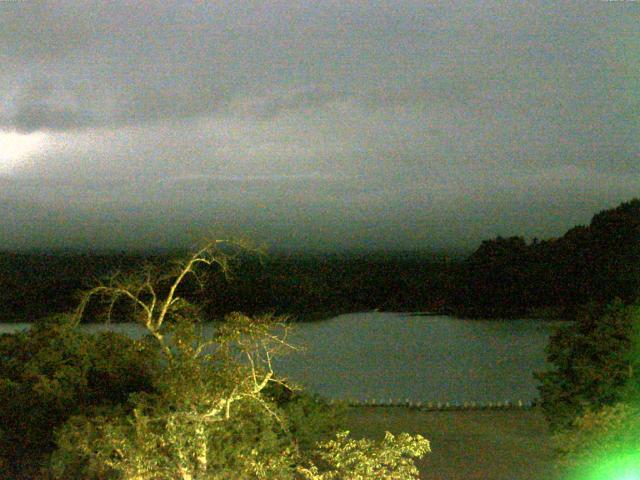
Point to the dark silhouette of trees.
(594, 263)
(495, 278)
(504, 277)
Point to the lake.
(397, 356)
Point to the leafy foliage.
(600, 442)
(348, 459)
(217, 409)
(593, 360)
(53, 371)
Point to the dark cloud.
(272, 104)
(357, 115)
(43, 106)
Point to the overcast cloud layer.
(331, 124)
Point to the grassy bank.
(468, 445)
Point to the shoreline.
(323, 315)
(317, 316)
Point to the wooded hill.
(594, 263)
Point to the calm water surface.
(398, 356)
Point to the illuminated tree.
(216, 411)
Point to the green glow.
(623, 467)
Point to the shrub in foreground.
(52, 372)
(602, 444)
(594, 363)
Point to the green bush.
(53, 371)
(593, 362)
(601, 445)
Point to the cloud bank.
(390, 124)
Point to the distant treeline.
(504, 277)
(308, 286)
(589, 264)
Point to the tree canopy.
(199, 403)
(594, 362)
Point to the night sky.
(314, 124)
